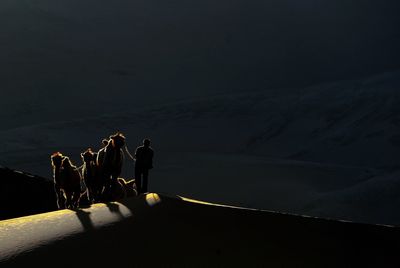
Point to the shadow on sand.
(84, 218)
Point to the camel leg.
(119, 190)
(75, 198)
(107, 191)
(99, 192)
(60, 197)
(96, 193)
(131, 188)
(69, 199)
(123, 190)
(92, 194)
(89, 194)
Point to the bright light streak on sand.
(213, 204)
(26, 233)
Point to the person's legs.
(145, 180)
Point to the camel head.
(66, 163)
(88, 156)
(117, 140)
(57, 159)
(105, 142)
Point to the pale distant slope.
(156, 230)
(376, 200)
(352, 123)
(84, 55)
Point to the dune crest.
(184, 232)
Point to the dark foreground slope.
(156, 230)
(23, 194)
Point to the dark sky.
(86, 52)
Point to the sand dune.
(352, 123)
(159, 230)
(23, 194)
(223, 90)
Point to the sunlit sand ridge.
(155, 229)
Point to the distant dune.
(329, 150)
(352, 123)
(157, 230)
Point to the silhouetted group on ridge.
(100, 173)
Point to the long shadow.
(114, 208)
(85, 219)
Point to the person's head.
(146, 142)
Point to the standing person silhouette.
(143, 162)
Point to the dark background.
(86, 57)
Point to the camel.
(91, 176)
(67, 181)
(109, 162)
